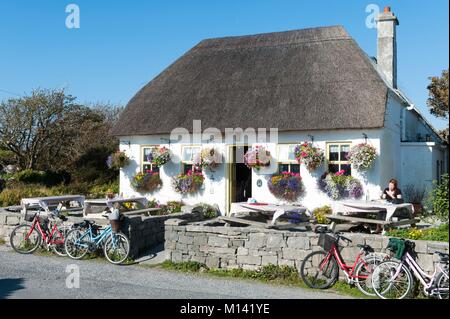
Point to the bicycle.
(116, 246)
(394, 279)
(26, 238)
(320, 269)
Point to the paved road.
(32, 276)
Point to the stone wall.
(143, 232)
(250, 248)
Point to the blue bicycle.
(87, 237)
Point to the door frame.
(230, 162)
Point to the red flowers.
(290, 174)
(340, 173)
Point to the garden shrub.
(207, 211)
(433, 234)
(438, 199)
(320, 214)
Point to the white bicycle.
(394, 279)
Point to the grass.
(270, 274)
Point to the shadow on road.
(8, 286)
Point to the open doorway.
(240, 176)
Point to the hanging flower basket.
(362, 156)
(188, 183)
(209, 158)
(310, 156)
(148, 181)
(257, 157)
(287, 186)
(339, 186)
(117, 160)
(159, 156)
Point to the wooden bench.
(246, 222)
(385, 224)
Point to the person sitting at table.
(392, 193)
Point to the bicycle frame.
(427, 281)
(46, 239)
(347, 269)
(96, 240)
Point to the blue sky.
(122, 45)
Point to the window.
(337, 158)
(286, 159)
(147, 165)
(187, 159)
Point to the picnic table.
(354, 211)
(106, 205)
(271, 210)
(46, 203)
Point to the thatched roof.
(312, 79)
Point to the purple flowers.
(286, 186)
(338, 186)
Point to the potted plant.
(310, 156)
(287, 186)
(339, 186)
(257, 158)
(362, 156)
(209, 158)
(159, 156)
(117, 160)
(188, 183)
(148, 181)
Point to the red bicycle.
(26, 238)
(320, 269)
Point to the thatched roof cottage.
(314, 85)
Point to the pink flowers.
(290, 174)
(340, 173)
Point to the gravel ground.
(41, 277)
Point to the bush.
(413, 194)
(438, 199)
(207, 211)
(434, 234)
(320, 214)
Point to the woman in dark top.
(392, 193)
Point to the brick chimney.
(387, 24)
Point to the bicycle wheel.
(76, 248)
(442, 286)
(363, 273)
(24, 239)
(117, 248)
(58, 241)
(317, 273)
(388, 286)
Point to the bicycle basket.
(115, 225)
(326, 241)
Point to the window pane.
(295, 168)
(187, 154)
(187, 168)
(283, 153)
(195, 151)
(146, 153)
(347, 168)
(283, 168)
(155, 168)
(291, 155)
(334, 153)
(333, 168)
(344, 152)
(146, 167)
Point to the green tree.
(438, 100)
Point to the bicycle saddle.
(85, 224)
(366, 248)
